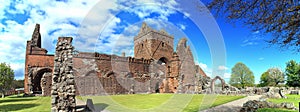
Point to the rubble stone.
(63, 89)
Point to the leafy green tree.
(275, 76)
(278, 17)
(272, 77)
(264, 79)
(17, 84)
(292, 72)
(241, 76)
(6, 77)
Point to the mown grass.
(118, 103)
(201, 102)
(25, 104)
(160, 102)
(291, 98)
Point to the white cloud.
(81, 19)
(261, 58)
(186, 15)
(222, 68)
(249, 44)
(181, 26)
(205, 68)
(17, 66)
(143, 8)
(253, 39)
(227, 75)
(256, 32)
(56, 15)
(202, 65)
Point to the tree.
(292, 72)
(280, 18)
(17, 84)
(241, 76)
(6, 77)
(276, 76)
(264, 79)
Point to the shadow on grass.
(100, 106)
(16, 96)
(15, 100)
(16, 107)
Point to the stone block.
(90, 105)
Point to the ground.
(291, 98)
(159, 102)
(25, 104)
(114, 103)
(233, 106)
(139, 102)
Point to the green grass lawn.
(160, 102)
(291, 98)
(136, 102)
(25, 104)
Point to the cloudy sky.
(108, 26)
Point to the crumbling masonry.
(155, 68)
(63, 83)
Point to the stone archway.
(41, 81)
(212, 85)
(162, 61)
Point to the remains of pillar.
(63, 83)
(180, 84)
(30, 73)
(43, 83)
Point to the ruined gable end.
(36, 37)
(187, 66)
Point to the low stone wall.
(295, 92)
(269, 92)
(112, 85)
(253, 105)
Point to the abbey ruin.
(155, 68)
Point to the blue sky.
(109, 27)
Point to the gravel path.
(233, 106)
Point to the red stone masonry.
(153, 55)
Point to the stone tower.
(152, 44)
(38, 66)
(156, 45)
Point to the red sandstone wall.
(37, 61)
(103, 63)
(153, 48)
(120, 65)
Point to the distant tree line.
(242, 76)
(274, 76)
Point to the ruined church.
(155, 67)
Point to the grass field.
(25, 104)
(160, 102)
(291, 98)
(136, 102)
